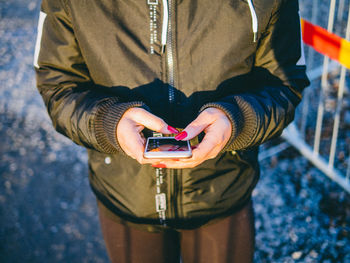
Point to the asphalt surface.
(48, 212)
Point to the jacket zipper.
(171, 92)
(174, 206)
(170, 54)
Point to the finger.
(196, 159)
(208, 143)
(144, 160)
(196, 127)
(207, 149)
(151, 121)
(133, 145)
(176, 164)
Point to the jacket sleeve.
(265, 110)
(78, 108)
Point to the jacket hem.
(171, 224)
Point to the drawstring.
(165, 24)
(254, 20)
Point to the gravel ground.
(48, 213)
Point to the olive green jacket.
(95, 59)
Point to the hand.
(217, 128)
(129, 134)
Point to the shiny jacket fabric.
(95, 59)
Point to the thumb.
(195, 127)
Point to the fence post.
(293, 135)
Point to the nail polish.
(181, 136)
(172, 129)
(159, 165)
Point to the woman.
(228, 73)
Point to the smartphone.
(167, 147)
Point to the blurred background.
(48, 213)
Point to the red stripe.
(321, 40)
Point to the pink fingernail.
(159, 165)
(172, 129)
(181, 136)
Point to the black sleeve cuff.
(249, 124)
(107, 118)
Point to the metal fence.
(321, 129)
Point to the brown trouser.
(228, 240)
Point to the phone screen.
(167, 147)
